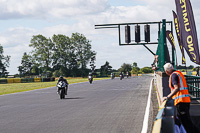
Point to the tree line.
(59, 55)
(63, 55)
(106, 69)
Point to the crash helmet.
(61, 77)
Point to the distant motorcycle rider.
(112, 75)
(90, 77)
(63, 79)
(121, 75)
(127, 74)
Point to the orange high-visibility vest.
(182, 95)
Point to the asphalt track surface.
(107, 106)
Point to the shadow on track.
(73, 98)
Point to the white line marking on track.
(146, 116)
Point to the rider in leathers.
(63, 79)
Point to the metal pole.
(164, 41)
(149, 49)
(119, 34)
(158, 30)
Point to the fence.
(25, 80)
(164, 122)
(193, 83)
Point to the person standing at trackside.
(180, 94)
(197, 71)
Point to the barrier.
(48, 79)
(16, 80)
(165, 122)
(25, 80)
(45, 79)
(37, 80)
(194, 73)
(3, 81)
(193, 83)
(184, 73)
(10, 80)
(52, 79)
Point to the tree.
(26, 64)
(134, 64)
(82, 50)
(20, 69)
(35, 69)
(61, 54)
(4, 62)
(105, 69)
(61, 50)
(42, 53)
(66, 55)
(135, 69)
(73, 65)
(59, 72)
(125, 68)
(92, 63)
(146, 70)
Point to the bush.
(146, 70)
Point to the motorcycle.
(61, 89)
(90, 79)
(121, 76)
(127, 75)
(112, 76)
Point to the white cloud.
(3, 40)
(48, 9)
(16, 53)
(16, 36)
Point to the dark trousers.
(184, 116)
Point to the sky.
(21, 19)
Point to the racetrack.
(107, 106)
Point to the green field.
(21, 87)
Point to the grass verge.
(21, 87)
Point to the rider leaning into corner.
(63, 79)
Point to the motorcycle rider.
(112, 76)
(121, 75)
(66, 87)
(90, 77)
(127, 74)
